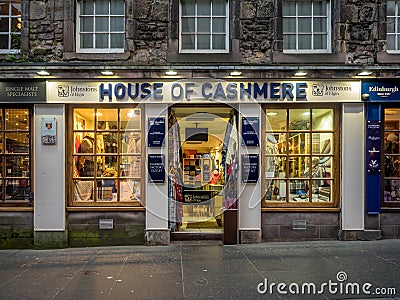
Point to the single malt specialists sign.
(30, 91)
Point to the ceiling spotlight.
(235, 73)
(364, 73)
(300, 73)
(43, 73)
(171, 73)
(107, 73)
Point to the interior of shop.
(204, 138)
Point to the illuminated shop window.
(10, 26)
(300, 159)
(107, 156)
(15, 169)
(391, 157)
(101, 26)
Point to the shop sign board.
(200, 90)
(23, 91)
(198, 196)
(156, 168)
(380, 90)
(250, 168)
(374, 147)
(250, 131)
(156, 132)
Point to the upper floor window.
(393, 30)
(101, 26)
(306, 26)
(10, 26)
(204, 26)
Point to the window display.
(15, 160)
(299, 155)
(106, 156)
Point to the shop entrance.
(202, 154)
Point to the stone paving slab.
(205, 270)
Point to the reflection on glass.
(108, 142)
(391, 142)
(276, 120)
(299, 143)
(299, 119)
(17, 189)
(299, 166)
(130, 119)
(17, 166)
(322, 119)
(322, 143)
(83, 190)
(84, 118)
(322, 190)
(107, 166)
(107, 119)
(17, 119)
(131, 142)
(130, 166)
(130, 190)
(392, 190)
(17, 142)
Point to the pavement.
(206, 270)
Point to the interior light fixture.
(300, 73)
(235, 73)
(107, 73)
(364, 73)
(171, 73)
(272, 113)
(43, 73)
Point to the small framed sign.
(156, 132)
(156, 168)
(250, 168)
(250, 131)
(49, 131)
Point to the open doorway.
(202, 167)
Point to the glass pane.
(117, 7)
(131, 143)
(304, 8)
(276, 190)
(84, 119)
(102, 24)
(86, 40)
(4, 42)
(101, 40)
(218, 42)
(299, 166)
(319, 8)
(106, 190)
(188, 25)
(17, 142)
(304, 25)
(276, 119)
(18, 189)
(4, 25)
(288, 8)
(203, 41)
(130, 166)
(117, 41)
(320, 41)
(107, 119)
(322, 119)
(322, 190)
(107, 166)
(219, 25)
(391, 43)
(282, 144)
(299, 119)
(392, 190)
(305, 41)
(1, 149)
(4, 8)
(271, 166)
(102, 7)
(17, 119)
(204, 25)
(390, 25)
(17, 166)
(86, 24)
(299, 143)
(281, 167)
(219, 8)
(129, 190)
(272, 143)
(289, 25)
(130, 119)
(390, 8)
(116, 24)
(298, 190)
(108, 142)
(322, 143)
(83, 190)
(391, 142)
(15, 25)
(204, 8)
(289, 41)
(188, 7)
(188, 41)
(398, 43)
(87, 7)
(1, 119)
(319, 25)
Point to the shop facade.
(123, 162)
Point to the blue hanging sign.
(250, 131)
(156, 132)
(374, 147)
(381, 90)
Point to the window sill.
(96, 56)
(384, 57)
(300, 209)
(105, 208)
(311, 58)
(15, 208)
